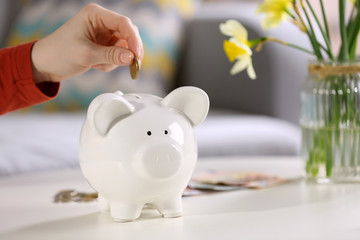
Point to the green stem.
(301, 48)
(325, 20)
(350, 26)
(323, 48)
(261, 41)
(290, 14)
(352, 14)
(311, 35)
(353, 32)
(317, 51)
(254, 42)
(354, 147)
(325, 36)
(345, 46)
(329, 162)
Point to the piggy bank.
(138, 149)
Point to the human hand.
(94, 38)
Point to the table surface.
(295, 210)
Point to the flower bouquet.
(330, 114)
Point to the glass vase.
(330, 121)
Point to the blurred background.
(183, 46)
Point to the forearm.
(18, 88)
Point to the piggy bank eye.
(166, 132)
(149, 133)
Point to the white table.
(296, 210)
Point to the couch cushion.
(38, 142)
(233, 134)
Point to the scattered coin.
(65, 196)
(134, 69)
(85, 197)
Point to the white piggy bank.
(138, 149)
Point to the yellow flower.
(237, 47)
(353, 1)
(276, 11)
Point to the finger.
(118, 23)
(105, 67)
(112, 55)
(121, 43)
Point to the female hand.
(94, 38)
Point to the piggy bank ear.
(106, 110)
(191, 101)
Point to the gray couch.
(247, 117)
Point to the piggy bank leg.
(125, 212)
(171, 207)
(103, 203)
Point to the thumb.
(113, 55)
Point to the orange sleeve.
(17, 85)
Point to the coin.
(65, 196)
(134, 69)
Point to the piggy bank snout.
(161, 160)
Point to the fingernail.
(126, 58)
